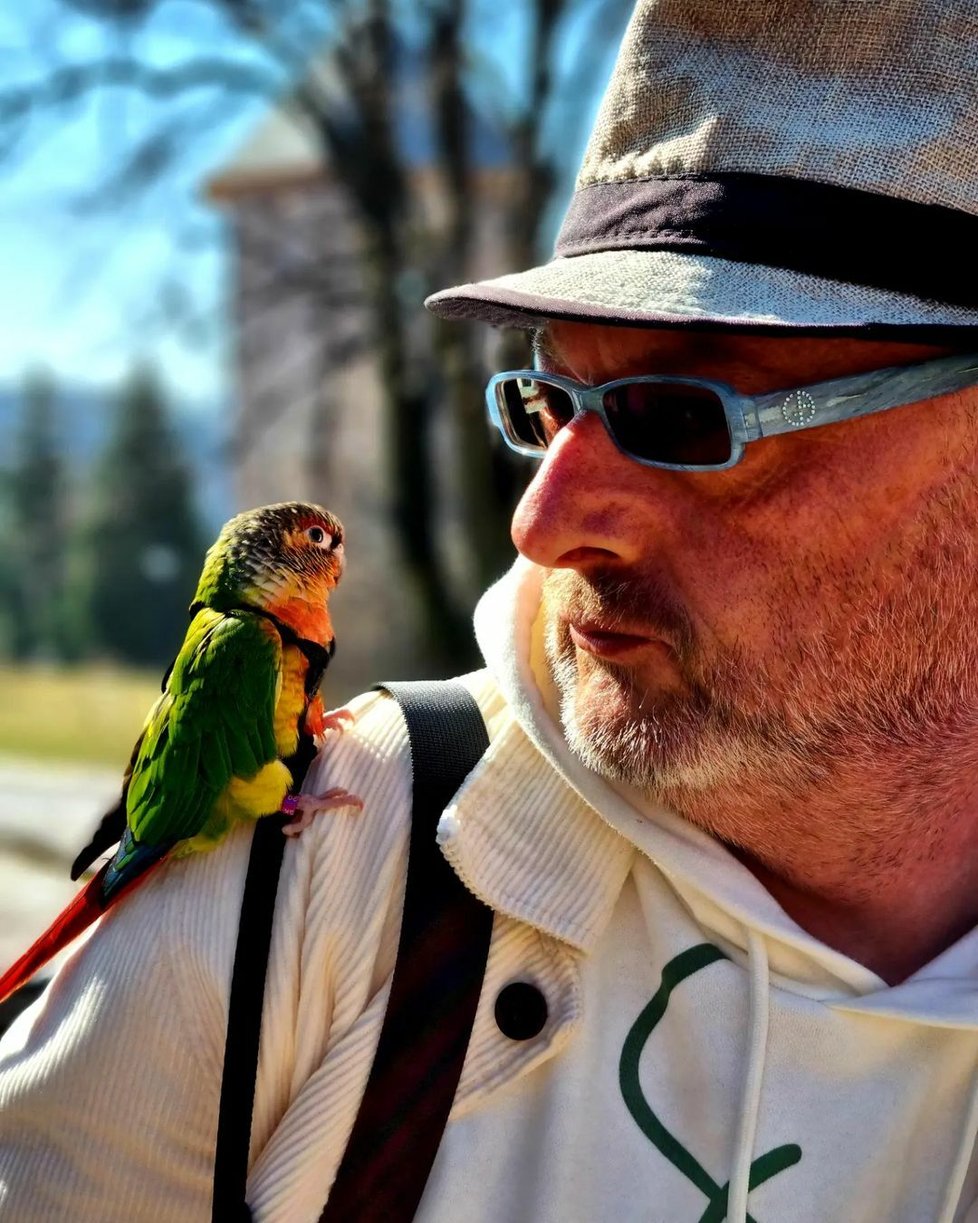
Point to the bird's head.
(282, 559)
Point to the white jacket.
(703, 1058)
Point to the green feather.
(215, 721)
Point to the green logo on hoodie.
(762, 1169)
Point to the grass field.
(90, 713)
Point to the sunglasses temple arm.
(744, 417)
(846, 398)
(825, 404)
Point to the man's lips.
(604, 642)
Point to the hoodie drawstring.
(760, 1009)
(962, 1161)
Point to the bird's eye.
(316, 534)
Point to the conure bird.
(239, 705)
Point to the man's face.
(756, 627)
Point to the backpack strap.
(245, 1006)
(441, 958)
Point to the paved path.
(47, 812)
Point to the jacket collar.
(526, 843)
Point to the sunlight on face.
(872, 662)
(815, 605)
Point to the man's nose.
(588, 503)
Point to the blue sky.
(81, 279)
(83, 283)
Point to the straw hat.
(771, 164)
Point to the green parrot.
(240, 703)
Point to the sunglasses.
(695, 424)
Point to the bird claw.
(305, 807)
(339, 719)
(320, 723)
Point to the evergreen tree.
(10, 597)
(145, 545)
(36, 523)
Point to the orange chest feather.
(291, 700)
(307, 616)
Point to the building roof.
(283, 149)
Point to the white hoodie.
(703, 1058)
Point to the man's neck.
(894, 932)
(886, 873)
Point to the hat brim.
(654, 288)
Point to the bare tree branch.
(70, 82)
(339, 68)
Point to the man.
(727, 819)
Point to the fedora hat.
(767, 165)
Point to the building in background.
(308, 411)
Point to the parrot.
(239, 705)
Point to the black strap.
(438, 974)
(441, 959)
(244, 1021)
(245, 1006)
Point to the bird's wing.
(215, 722)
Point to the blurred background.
(218, 220)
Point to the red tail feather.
(84, 909)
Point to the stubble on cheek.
(645, 725)
(866, 680)
(720, 719)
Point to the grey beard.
(900, 687)
(683, 744)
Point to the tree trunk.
(445, 633)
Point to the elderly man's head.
(810, 610)
(794, 632)
(782, 650)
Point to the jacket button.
(521, 1011)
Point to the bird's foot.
(305, 807)
(339, 719)
(319, 722)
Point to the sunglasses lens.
(669, 422)
(533, 411)
(662, 422)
